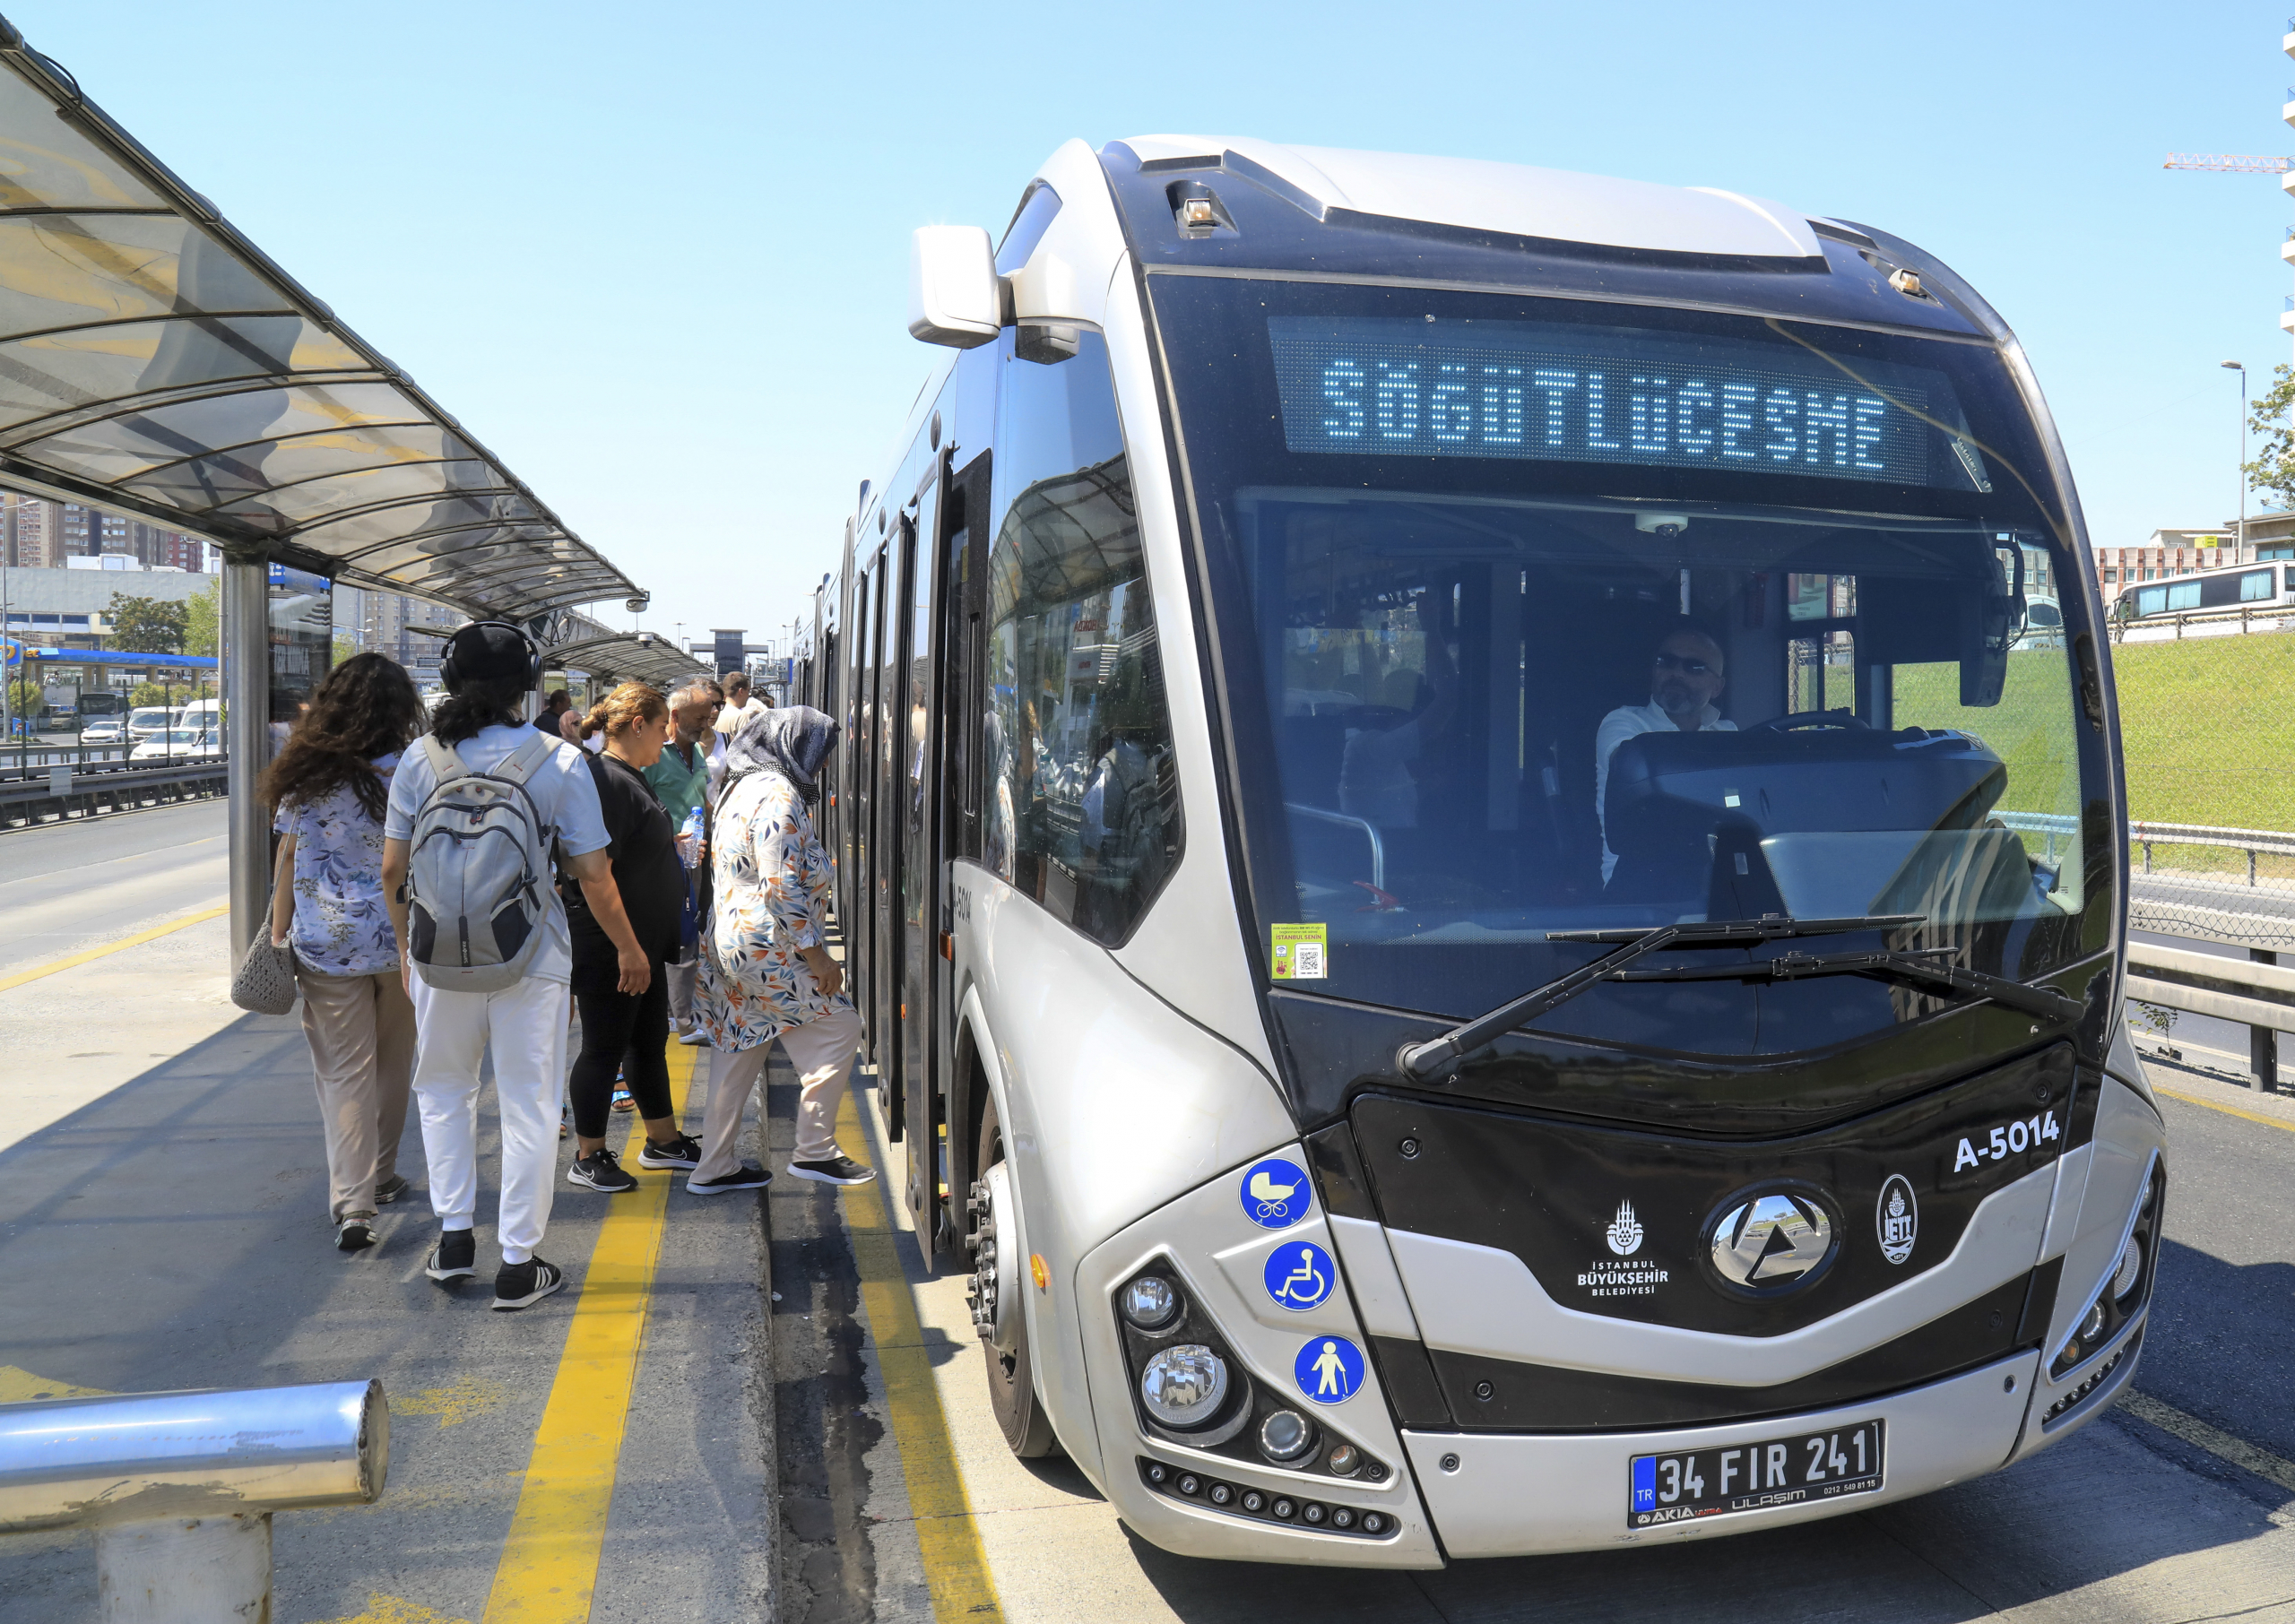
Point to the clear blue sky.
(656, 256)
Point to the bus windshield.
(1541, 617)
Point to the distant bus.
(2235, 586)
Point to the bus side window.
(1080, 797)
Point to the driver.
(1685, 677)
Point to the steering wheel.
(1810, 719)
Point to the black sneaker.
(454, 1258)
(390, 1190)
(837, 1170)
(748, 1175)
(684, 1150)
(355, 1233)
(523, 1284)
(600, 1170)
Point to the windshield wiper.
(1920, 966)
(1420, 1061)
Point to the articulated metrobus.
(2231, 588)
(1428, 838)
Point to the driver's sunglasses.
(1683, 663)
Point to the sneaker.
(600, 1170)
(684, 1150)
(523, 1284)
(837, 1170)
(390, 1190)
(355, 1233)
(454, 1258)
(748, 1175)
(694, 1038)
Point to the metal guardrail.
(181, 1486)
(112, 788)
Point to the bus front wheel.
(997, 1313)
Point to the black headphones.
(453, 677)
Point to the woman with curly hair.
(328, 787)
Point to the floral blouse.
(341, 926)
(771, 877)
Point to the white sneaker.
(692, 1039)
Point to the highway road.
(67, 886)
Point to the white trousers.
(525, 1027)
(821, 1051)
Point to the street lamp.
(2241, 555)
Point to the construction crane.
(2233, 163)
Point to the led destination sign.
(1592, 394)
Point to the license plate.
(1796, 1471)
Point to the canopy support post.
(247, 700)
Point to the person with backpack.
(621, 1032)
(764, 970)
(329, 785)
(474, 808)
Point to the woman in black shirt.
(622, 1032)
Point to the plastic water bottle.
(690, 838)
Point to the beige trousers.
(362, 1033)
(821, 1051)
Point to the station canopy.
(629, 657)
(155, 362)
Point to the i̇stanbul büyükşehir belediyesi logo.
(1624, 1233)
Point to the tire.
(1012, 1376)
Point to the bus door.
(960, 748)
(895, 586)
(922, 913)
(861, 931)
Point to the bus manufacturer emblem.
(1897, 1218)
(1769, 1242)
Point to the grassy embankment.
(2207, 726)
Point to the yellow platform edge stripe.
(955, 1568)
(548, 1569)
(72, 961)
(2229, 1110)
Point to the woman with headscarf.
(766, 973)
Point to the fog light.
(1150, 1302)
(2092, 1327)
(2130, 1270)
(1286, 1436)
(1184, 1386)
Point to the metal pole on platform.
(245, 593)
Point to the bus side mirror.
(954, 297)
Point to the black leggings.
(631, 1034)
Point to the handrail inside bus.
(1369, 831)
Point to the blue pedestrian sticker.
(1299, 1275)
(1328, 1369)
(1276, 1194)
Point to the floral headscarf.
(793, 742)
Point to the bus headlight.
(2130, 1270)
(1184, 1386)
(2123, 1291)
(1150, 1302)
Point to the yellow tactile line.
(2229, 1110)
(549, 1570)
(108, 948)
(955, 1567)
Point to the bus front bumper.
(1516, 1494)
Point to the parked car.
(180, 744)
(105, 731)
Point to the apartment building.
(36, 534)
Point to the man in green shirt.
(680, 781)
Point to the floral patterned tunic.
(341, 926)
(771, 877)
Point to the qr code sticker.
(1307, 961)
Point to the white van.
(149, 721)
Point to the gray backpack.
(477, 875)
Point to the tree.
(203, 630)
(146, 625)
(148, 694)
(345, 646)
(25, 697)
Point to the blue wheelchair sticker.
(1275, 1195)
(1328, 1369)
(1299, 1275)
